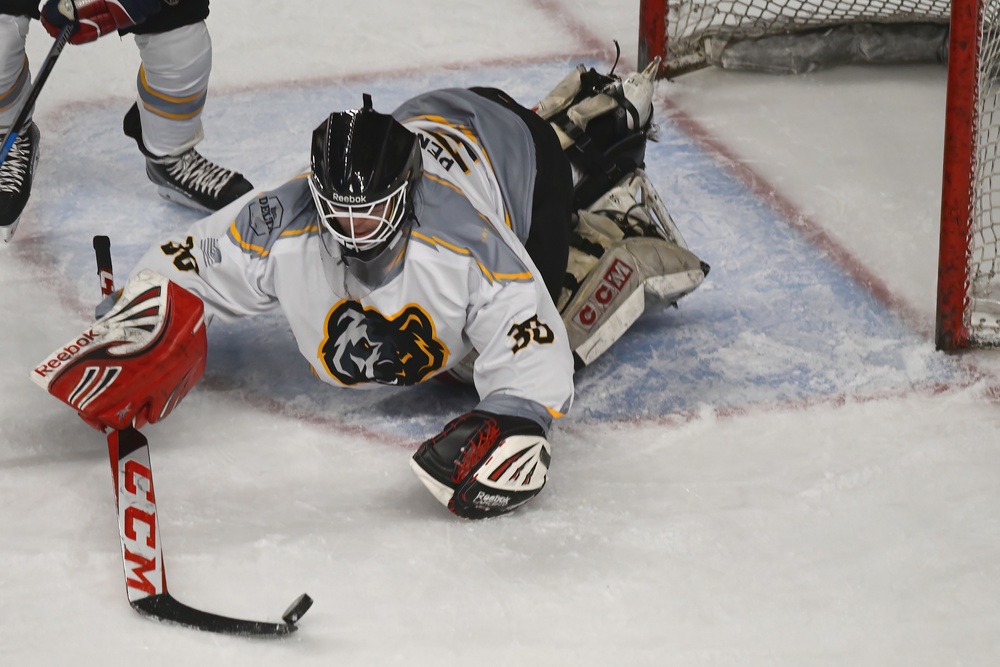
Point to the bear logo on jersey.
(362, 345)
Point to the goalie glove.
(483, 464)
(95, 18)
(134, 365)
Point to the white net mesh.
(718, 32)
(691, 25)
(983, 311)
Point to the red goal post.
(786, 35)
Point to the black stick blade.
(297, 609)
(167, 609)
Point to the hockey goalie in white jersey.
(463, 235)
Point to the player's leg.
(17, 170)
(626, 255)
(626, 258)
(603, 122)
(551, 205)
(176, 52)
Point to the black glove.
(484, 464)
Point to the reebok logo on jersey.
(611, 285)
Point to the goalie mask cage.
(689, 34)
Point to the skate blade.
(7, 231)
(179, 198)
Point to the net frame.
(968, 290)
(968, 303)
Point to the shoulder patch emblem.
(265, 215)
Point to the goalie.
(441, 239)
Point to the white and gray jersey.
(465, 283)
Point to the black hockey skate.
(191, 180)
(16, 174)
(188, 179)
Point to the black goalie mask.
(363, 163)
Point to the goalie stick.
(50, 61)
(138, 528)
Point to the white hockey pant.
(15, 78)
(172, 87)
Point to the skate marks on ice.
(776, 320)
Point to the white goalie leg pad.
(632, 258)
(638, 89)
(634, 275)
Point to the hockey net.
(789, 35)
(804, 35)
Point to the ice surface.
(782, 471)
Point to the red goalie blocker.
(134, 365)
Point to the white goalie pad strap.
(598, 228)
(565, 141)
(582, 113)
(635, 198)
(562, 95)
(632, 276)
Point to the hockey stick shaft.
(29, 102)
(142, 550)
(102, 248)
(139, 527)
